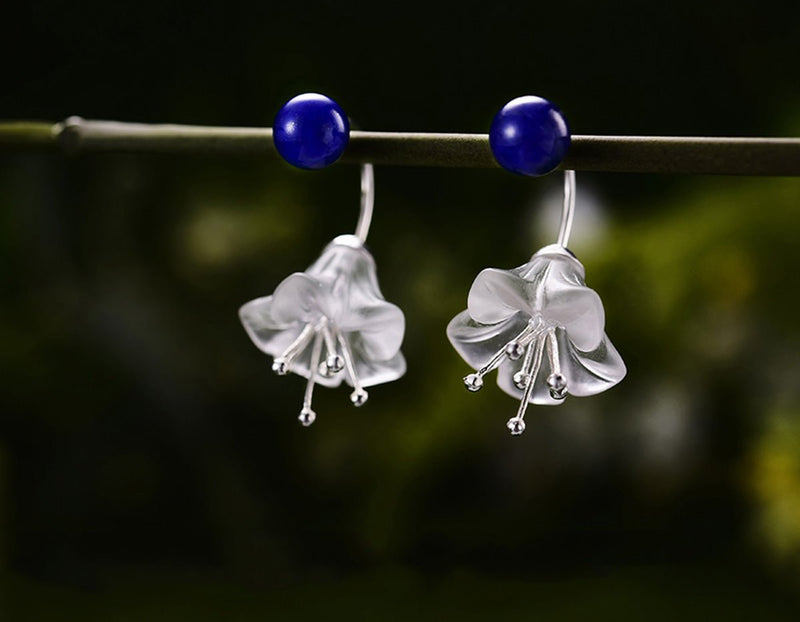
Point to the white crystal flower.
(335, 305)
(541, 327)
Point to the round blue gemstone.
(529, 136)
(311, 131)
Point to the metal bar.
(623, 154)
(22, 135)
(76, 135)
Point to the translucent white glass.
(540, 327)
(331, 324)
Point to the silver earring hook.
(568, 209)
(367, 202)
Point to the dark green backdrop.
(151, 465)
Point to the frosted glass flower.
(335, 306)
(541, 328)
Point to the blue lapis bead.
(311, 131)
(529, 136)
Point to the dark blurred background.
(151, 465)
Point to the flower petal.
(341, 286)
(477, 343)
(376, 331)
(298, 298)
(374, 327)
(496, 295)
(372, 372)
(577, 308)
(587, 373)
(592, 372)
(269, 335)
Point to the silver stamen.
(474, 381)
(359, 395)
(334, 362)
(556, 381)
(282, 364)
(307, 415)
(521, 378)
(514, 350)
(323, 371)
(517, 423)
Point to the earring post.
(619, 154)
(568, 209)
(367, 202)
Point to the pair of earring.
(538, 325)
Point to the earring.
(538, 324)
(336, 305)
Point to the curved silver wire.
(367, 202)
(568, 209)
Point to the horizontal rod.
(624, 154)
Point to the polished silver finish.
(307, 415)
(568, 209)
(514, 350)
(556, 381)
(282, 365)
(367, 202)
(522, 378)
(473, 382)
(359, 395)
(516, 423)
(333, 362)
